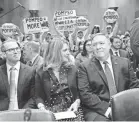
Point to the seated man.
(16, 81)
(102, 77)
(115, 47)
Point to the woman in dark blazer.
(56, 80)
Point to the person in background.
(102, 77)
(80, 48)
(46, 37)
(31, 54)
(56, 80)
(116, 47)
(96, 29)
(86, 53)
(17, 80)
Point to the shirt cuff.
(40, 105)
(108, 112)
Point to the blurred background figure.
(96, 29)
(80, 48)
(116, 47)
(87, 52)
(46, 37)
(31, 55)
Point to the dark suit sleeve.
(133, 81)
(88, 98)
(4, 104)
(38, 89)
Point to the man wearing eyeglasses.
(17, 79)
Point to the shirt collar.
(115, 50)
(17, 66)
(108, 60)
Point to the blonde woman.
(55, 82)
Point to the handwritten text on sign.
(35, 24)
(110, 16)
(8, 29)
(65, 21)
(82, 22)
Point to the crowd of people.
(65, 74)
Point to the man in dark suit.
(115, 47)
(102, 77)
(16, 81)
(31, 54)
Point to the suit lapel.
(99, 68)
(111, 53)
(5, 78)
(115, 69)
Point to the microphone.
(27, 115)
(21, 5)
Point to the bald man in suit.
(102, 77)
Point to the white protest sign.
(110, 16)
(82, 22)
(8, 29)
(35, 24)
(65, 13)
(65, 21)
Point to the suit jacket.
(43, 84)
(37, 62)
(93, 85)
(25, 88)
(122, 53)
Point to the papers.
(65, 115)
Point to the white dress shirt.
(113, 51)
(17, 67)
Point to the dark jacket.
(25, 88)
(43, 84)
(93, 85)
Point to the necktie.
(13, 105)
(111, 83)
(116, 53)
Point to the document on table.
(65, 115)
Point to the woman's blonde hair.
(53, 57)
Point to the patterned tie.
(111, 83)
(13, 105)
(116, 53)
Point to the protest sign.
(110, 16)
(65, 21)
(35, 24)
(8, 29)
(82, 22)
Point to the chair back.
(125, 105)
(19, 115)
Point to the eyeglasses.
(12, 50)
